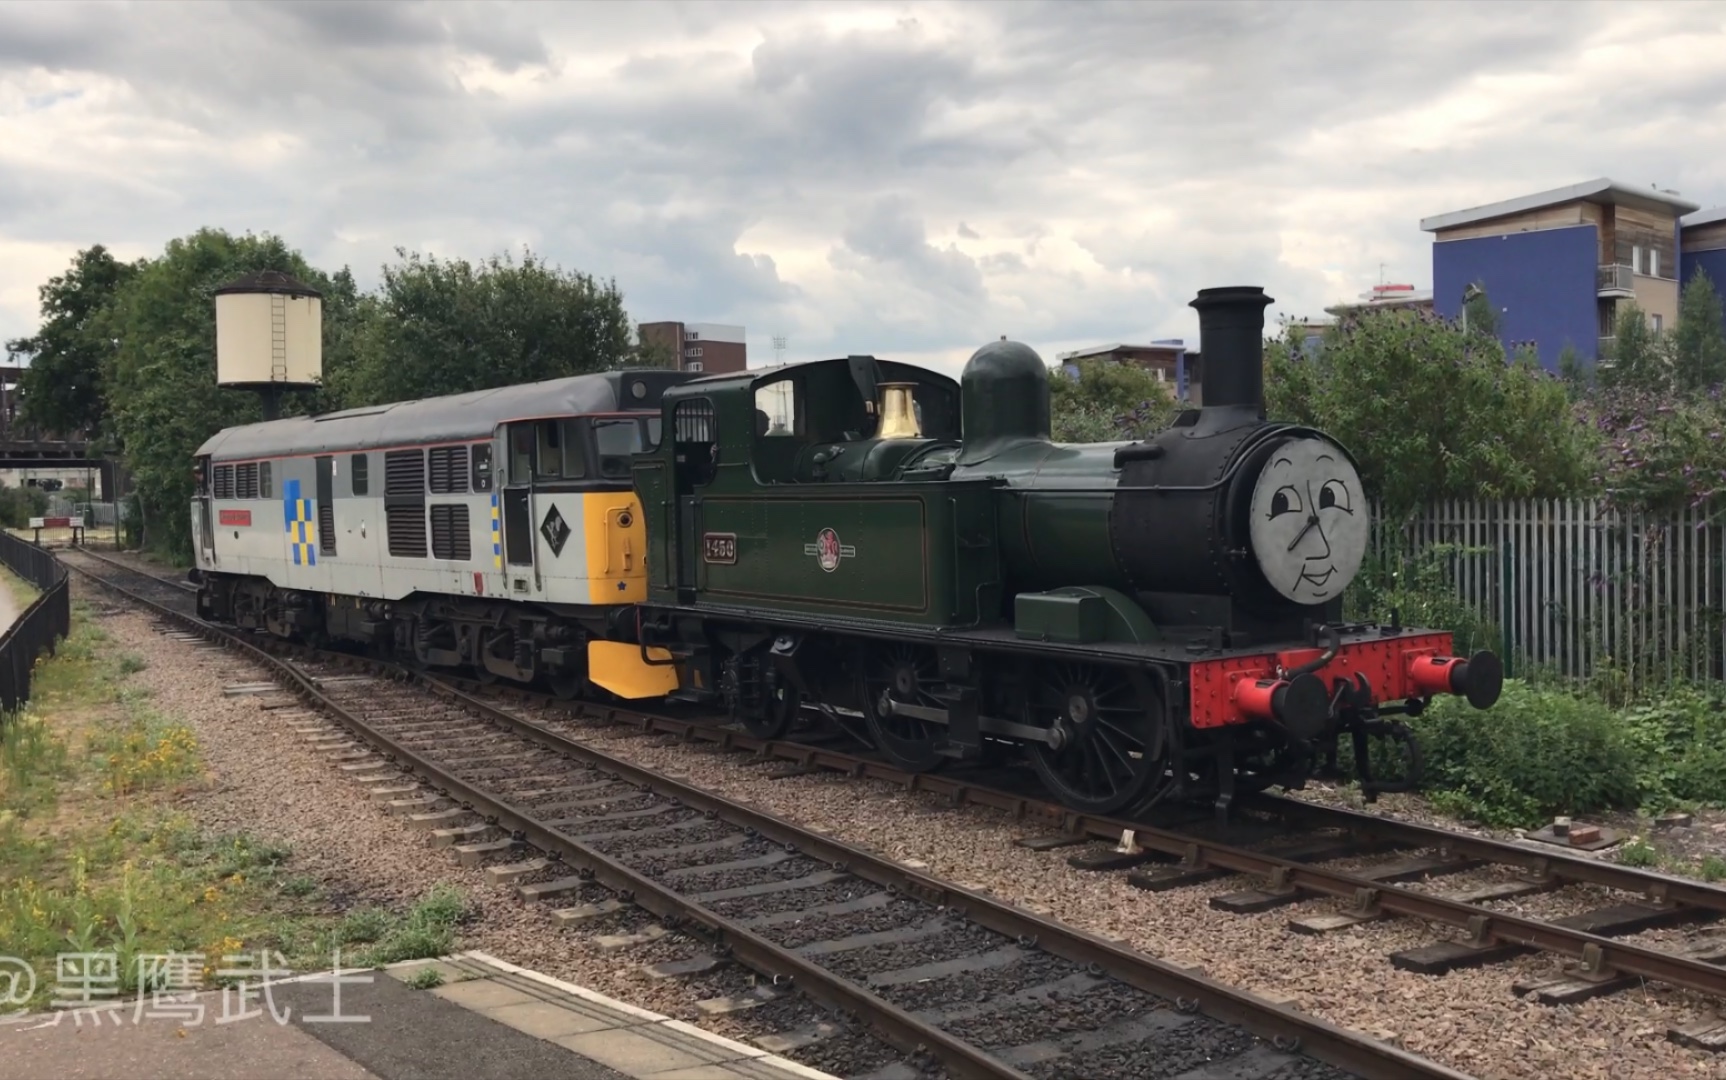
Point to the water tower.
(269, 336)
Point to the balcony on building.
(1615, 281)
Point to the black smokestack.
(1231, 345)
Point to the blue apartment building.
(1704, 247)
(1559, 265)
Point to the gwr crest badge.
(828, 550)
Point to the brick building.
(713, 348)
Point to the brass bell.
(899, 412)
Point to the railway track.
(952, 977)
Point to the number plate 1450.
(719, 547)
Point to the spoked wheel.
(904, 674)
(773, 718)
(1113, 748)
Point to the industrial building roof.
(1704, 217)
(1603, 190)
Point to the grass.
(23, 593)
(96, 857)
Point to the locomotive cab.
(848, 421)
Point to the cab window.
(615, 441)
(777, 410)
(521, 453)
(559, 454)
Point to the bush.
(19, 504)
(1420, 591)
(1545, 751)
(1680, 739)
(1108, 402)
(1660, 453)
(1536, 753)
(1432, 411)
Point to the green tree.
(1108, 402)
(451, 326)
(1577, 376)
(61, 389)
(1698, 343)
(1432, 411)
(651, 354)
(160, 381)
(1638, 358)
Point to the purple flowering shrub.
(1658, 451)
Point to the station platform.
(487, 1020)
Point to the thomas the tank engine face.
(1309, 520)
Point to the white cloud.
(911, 180)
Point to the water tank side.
(244, 352)
(305, 342)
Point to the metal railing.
(1577, 586)
(1615, 278)
(41, 626)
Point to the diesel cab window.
(521, 453)
(560, 454)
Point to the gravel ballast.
(1469, 1019)
(268, 781)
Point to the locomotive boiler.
(859, 542)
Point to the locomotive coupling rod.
(1050, 737)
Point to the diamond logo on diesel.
(555, 530)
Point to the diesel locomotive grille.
(405, 472)
(449, 532)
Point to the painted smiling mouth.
(1318, 579)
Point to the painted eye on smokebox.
(1285, 501)
(1334, 494)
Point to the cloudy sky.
(907, 179)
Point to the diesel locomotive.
(862, 542)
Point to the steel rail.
(1285, 1027)
(1343, 1047)
(1556, 863)
(1484, 924)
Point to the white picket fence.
(1574, 585)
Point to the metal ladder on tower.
(278, 338)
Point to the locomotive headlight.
(1309, 520)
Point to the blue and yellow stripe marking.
(301, 523)
(496, 535)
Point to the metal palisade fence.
(1578, 587)
(42, 624)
